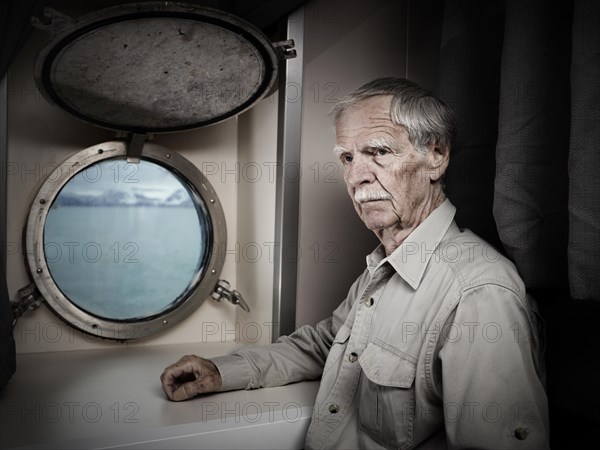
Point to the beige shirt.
(435, 346)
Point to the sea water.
(124, 262)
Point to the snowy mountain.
(113, 197)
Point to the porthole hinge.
(286, 48)
(52, 21)
(29, 299)
(223, 290)
(135, 145)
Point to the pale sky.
(118, 175)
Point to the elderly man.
(436, 344)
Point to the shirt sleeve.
(297, 357)
(493, 396)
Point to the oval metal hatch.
(156, 67)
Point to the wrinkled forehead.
(375, 108)
(367, 120)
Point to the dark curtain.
(523, 77)
(7, 343)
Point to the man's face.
(390, 183)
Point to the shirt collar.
(411, 258)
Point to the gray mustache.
(363, 196)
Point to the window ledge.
(113, 398)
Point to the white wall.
(347, 43)
(257, 153)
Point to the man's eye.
(381, 151)
(346, 158)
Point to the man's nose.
(359, 172)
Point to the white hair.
(427, 119)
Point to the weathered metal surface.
(156, 67)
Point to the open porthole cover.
(156, 67)
(94, 280)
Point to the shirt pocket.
(387, 396)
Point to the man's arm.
(299, 356)
(492, 393)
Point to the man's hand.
(190, 376)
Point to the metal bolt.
(42, 201)
(165, 322)
(94, 326)
(333, 408)
(521, 433)
(39, 271)
(212, 200)
(168, 155)
(100, 151)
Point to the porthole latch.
(29, 300)
(223, 290)
(286, 48)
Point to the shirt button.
(521, 433)
(369, 301)
(352, 357)
(333, 408)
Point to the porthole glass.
(125, 241)
(125, 250)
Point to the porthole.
(125, 250)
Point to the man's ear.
(438, 161)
